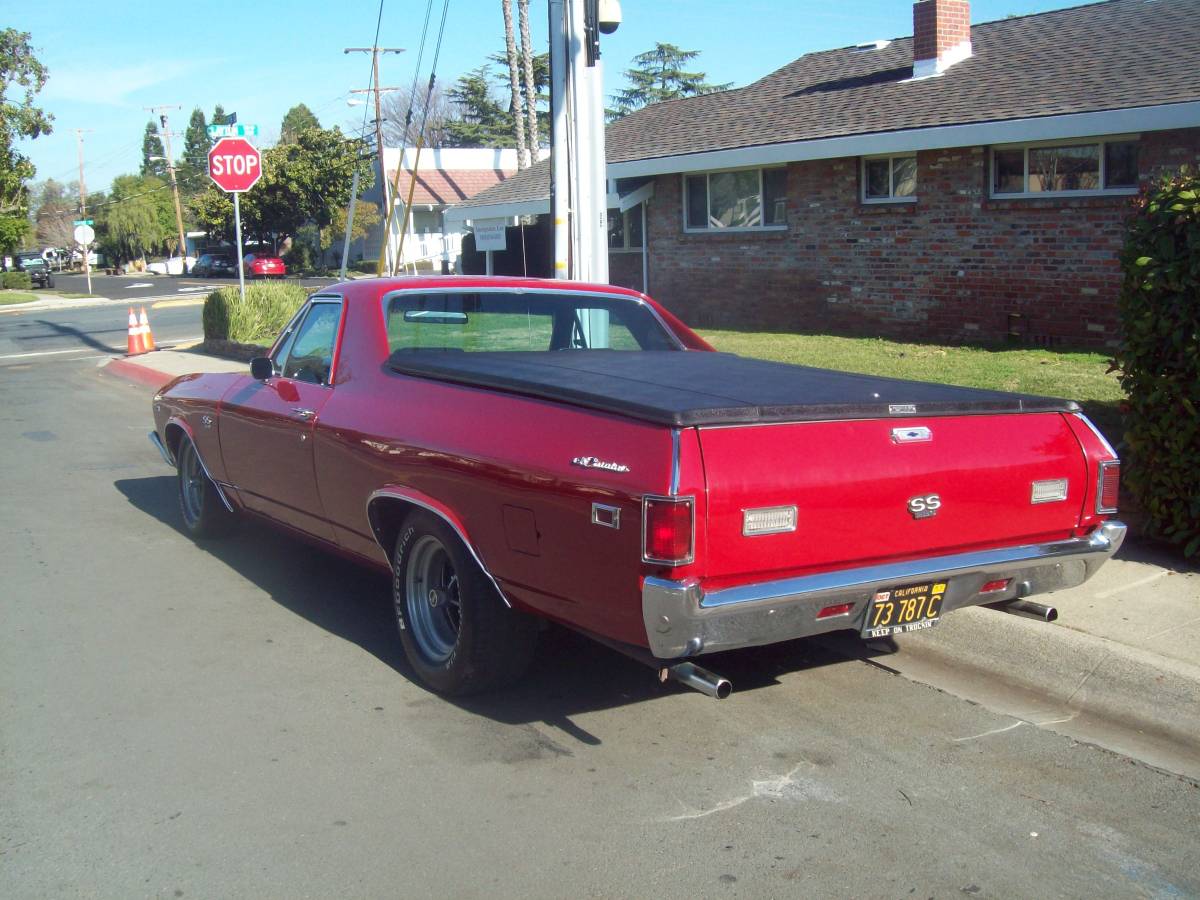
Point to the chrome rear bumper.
(682, 620)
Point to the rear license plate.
(903, 609)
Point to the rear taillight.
(668, 530)
(1109, 486)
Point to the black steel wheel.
(204, 513)
(457, 632)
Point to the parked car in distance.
(172, 266)
(33, 263)
(521, 449)
(257, 266)
(214, 264)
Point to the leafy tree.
(24, 76)
(54, 214)
(218, 116)
(139, 217)
(152, 146)
(194, 166)
(366, 217)
(659, 75)
(305, 182)
(297, 119)
(483, 121)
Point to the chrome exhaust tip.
(1031, 610)
(698, 679)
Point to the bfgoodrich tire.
(204, 513)
(457, 633)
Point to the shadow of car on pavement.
(571, 674)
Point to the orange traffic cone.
(136, 344)
(147, 334)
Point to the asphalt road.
(138, 288)
(235, 719)
(91, 332)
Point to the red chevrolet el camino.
(519, 450)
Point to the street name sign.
(234, 164)
(220, 131)
(84, 222)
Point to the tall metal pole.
(87, 262)
(237, 224)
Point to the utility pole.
(377, 91)
(578, 173)
(166, 132)
(87, 263)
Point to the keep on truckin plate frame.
(912, 607)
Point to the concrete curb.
(1085, 674)
(131, 371)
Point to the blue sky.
(109, 60)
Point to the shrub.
(1160, 357)
(17, 281)
(267, 309)
(366, 266)
(299, 258)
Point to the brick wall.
(956, 265)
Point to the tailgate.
(864, 489)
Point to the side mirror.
(261, 368)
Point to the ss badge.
(924, 506)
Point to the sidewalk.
(1120, 667)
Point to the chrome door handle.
(301, 413)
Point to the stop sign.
(234, 164)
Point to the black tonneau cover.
(691, 388)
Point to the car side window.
(310, 355)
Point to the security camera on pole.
(235, 165)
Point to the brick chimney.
(941, 35)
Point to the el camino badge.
(591, 462)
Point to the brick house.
(967, 183)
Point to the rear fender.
(384, 505)
(174, 431)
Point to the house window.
(625, 229)
(889, 179)
(1079, 167)
(742, 199)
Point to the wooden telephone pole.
(377, 91)
(161, 111)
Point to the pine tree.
(152, 146)
(196, 144)
(659, 75)
(484, 122)
(297, 119)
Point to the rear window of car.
(511, 321)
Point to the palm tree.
(530, 85)
(514, 84)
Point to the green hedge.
(1160, 357)
(16, 281)
(267, 309)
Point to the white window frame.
(741, 229)
(1027, 194)
(891, 197)
(636, 211)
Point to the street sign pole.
(237, 224)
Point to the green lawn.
(1076, 375)
(7, 298)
